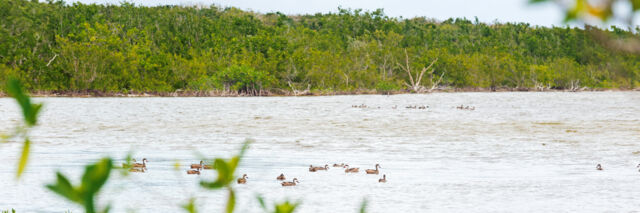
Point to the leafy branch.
(95, 176)
(30, 116)
(226, 175)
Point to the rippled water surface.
(515, 152)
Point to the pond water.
(515, 152)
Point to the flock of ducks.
(359, 106)
(196, 168)
(347, 169)
(394, 107)
(461, 107)
(312, 168)
(416, 107)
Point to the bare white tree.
(415, 83)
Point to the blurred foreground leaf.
(94, 177)
(231, 202)
(22, 164)
(363, 206)
(190, 206)
(29, 110)
(284, 207)
(30, 116)
(226, 175)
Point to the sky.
(488, 11)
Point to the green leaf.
(106, 209)
(29, 111)
(223, 169)
(224, 175)
(124, 170)
(22, 164)
(286, 207)
(95, 176)
(226, 170)
(635, 4)
(64, 188)
(190, 206)
(363, 206)
(231, 202)
(212, 185)
(262, 204)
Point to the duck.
(140, 165)
(599, 167)
(373, 171)
(201, 165)
(196, 166)
(243, 179)
(281, 177)
(141, 169)
(326, 167)
(383, 179)
(194, 171)
(351, 170)
(342, 165)
(292, 183)
(314, 169)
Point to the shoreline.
(283, 93)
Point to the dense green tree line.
(55, 46)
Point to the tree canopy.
(54, 46)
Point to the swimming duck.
(351, 170)
(292, 183)
(281, 177)
(243, 179)
(599, 167)
(383, 179)
(342, 165)
(373, 171)
(141, 169)
(201, 165)
(143, 164)
(196, 166)
(326, 167)
(194, 171)
(314, 169)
